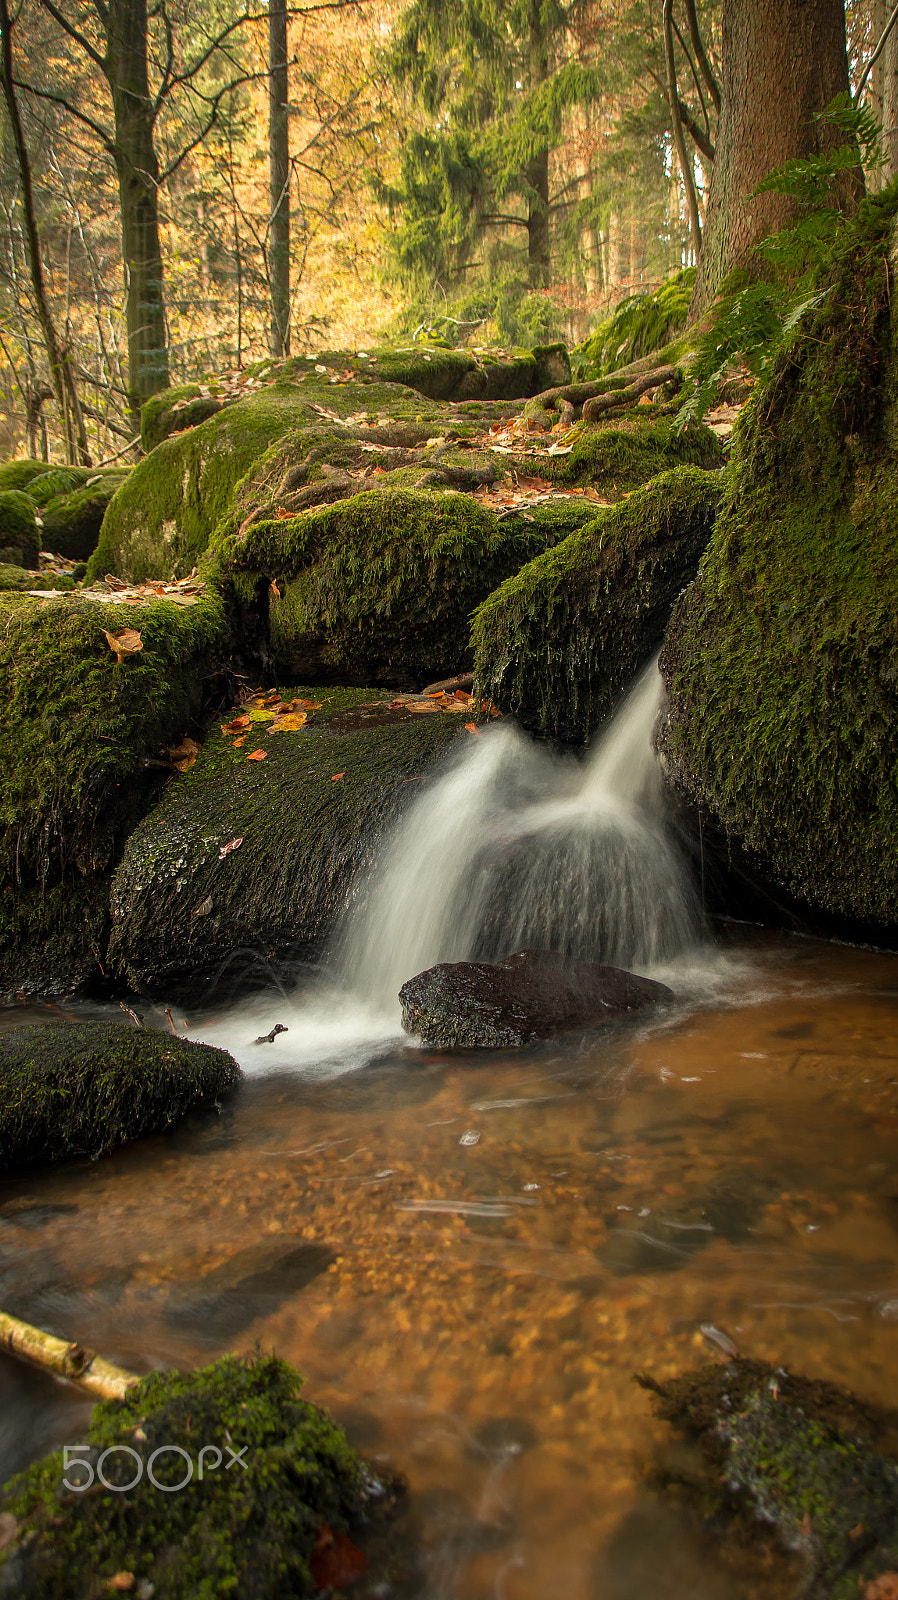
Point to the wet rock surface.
(531, 995)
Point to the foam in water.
(513, 848)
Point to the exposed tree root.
(591, 400)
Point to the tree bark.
(65, 1360)
(782, 61)
(537, 172)
(279, 178)
(125, 67)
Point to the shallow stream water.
(469, 1258)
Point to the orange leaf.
(236, 726)
(238, 743)
(257, 755)
(335, 1560)
(232, 844)
(337, 775)
(471, 727)
(126, 643)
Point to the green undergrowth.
(781, 658)
(630, 448)
(380, 586)
(246, 1528)
(84, 1088)
(75, 734)
(637, 327)
(310, 816)
(556, 643)
(800, 1457)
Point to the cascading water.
(516, 848)
(512, 848)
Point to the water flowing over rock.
(478, 1005)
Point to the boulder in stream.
(235, 1485)
(84, 1088)
(480, 1005)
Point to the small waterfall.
(517, 848)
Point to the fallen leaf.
(204, 908)
(236, 726)
(183, 755)
(126, 643)
(337, 775)
(121, 1582)
(885, 1587)
(274, 591)
(257, 755)
(289, 724)
(335, 1560)
(471, 727)
(855, 1533)
(232, 844)
(239, 743)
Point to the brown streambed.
(475, 1310)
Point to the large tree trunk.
(782, 61)
(279, 178)
(138, 181)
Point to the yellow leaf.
(289, 724)
(126, 643)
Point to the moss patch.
(18, 525)
(244, 1529)
(780, 660)
(20, 474)
(556, 643)
(379, 587)
(629, 449)
(84, 1088)
(181, 909)
(72, 521)
(75, 734)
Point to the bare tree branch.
(701, 55)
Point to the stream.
(469, 1256)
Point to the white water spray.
(513, 848)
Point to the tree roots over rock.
(84, 1088)
(273, 1493)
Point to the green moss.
(637, 327)
(72, 520)
(245, 1529)
(182, 912)
(629, 449)
(173, 410)
(379, 587)
(18, 525)
(20, 578)
(76, 730)
(84, 1088)
(20, 474)
(780, 659)
(556, 643)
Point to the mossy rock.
(379, 587)
(75, 737)
(309, 816)
(798, 1456)
(18, 525)
(556, 643)
(20, 474)
(632, 447)
(780, 658)
(84, 1088)
(248, 1527)
(19, 578)
(72, 520)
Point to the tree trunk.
(279, 178)
(889, 63)
(782, 61)
(537, 172)
(138, 181)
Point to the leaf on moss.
(183, 755)
(123, 644)
(336, 775)
(236, 726)
(290, 723)
(335, 1560)
(257, 755)
(232, 844)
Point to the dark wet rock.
(804, 1458)
(83, 1088)
(248, 1527)
(187, 913)
(531, 995)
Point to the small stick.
(66, 1360)
(137, 1021)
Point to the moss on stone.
(630, 448)
(75, 732)
(378, 588)
(556, 643)
(181, 910)
(780, 659)
(21, 578)
(72, 520)
(84, 1088)
(20, 474)
(244, 1529)
(18, 525)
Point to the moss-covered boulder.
(802, 1458)
(556, 643)
(379, 587)
(84, 1088)
(780, 660)
(72, 519)
(82, 752)
(627, 449)
(306, 818)
(20, 474)
(18, 525)
(275, 1507)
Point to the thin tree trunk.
(889, 60)
(138, 180)
(782, 61)
(279, 178)
(61, 374)
(683, 155)
(537, 173)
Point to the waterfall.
(518, 848)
